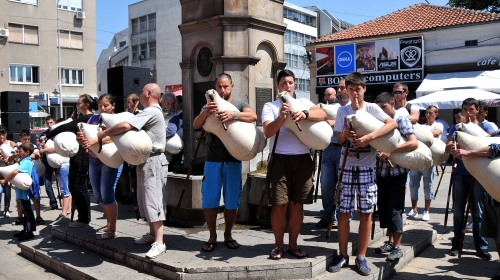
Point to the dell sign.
(344, 59)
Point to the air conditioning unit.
(4, 32)
(80, 15)
(141, 57)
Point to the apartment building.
(29, 51)
(305, 24)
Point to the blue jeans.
(461, 186)
(6, 190)
(103, 179)
(47, 179)
(62, 174)
(428, 176)
(330, 162)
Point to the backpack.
(408, 108)
(34, 191)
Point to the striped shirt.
(405, 128)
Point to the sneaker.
(156, 250)
(26, 236)
(426, 216)
(19, 234)
(40, 221)
(396, 254)
(18, 221)
(59, 218)
(147, 238)
(53, 207)
(453, 251)
(483, 254)
(387, 247)
(362, 265)
(77, 224)
(338, 262)
(468, 227)
(6, 214)
(412, 214)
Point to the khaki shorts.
(291, 179)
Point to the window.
(24, 74)
(152, 21)
(135, 53)
(288, 59)
(152, 49)
(293, 38)
(71, 77)
(34, 2)
(143, 50)
(294, 61)
(71, 39)
(70, 5)
(24, 34)
(135, 29)
(122, 44)
(142, 24)
(287, 36)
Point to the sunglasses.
(397, 92)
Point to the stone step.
(184, 260)
(73, 262)
(415, 241)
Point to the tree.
(483, 5)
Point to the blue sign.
(33, 107)
(344, 59)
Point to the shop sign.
(486, 62)
(382, 61)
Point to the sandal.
(279, 252)
(102, 230)
(297, 250)
(210, 246)
(106, 235)
(232, 244)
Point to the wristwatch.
(306, 113)
(236, 115)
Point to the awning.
(453, 98)
(485, 80)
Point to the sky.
(112, 15)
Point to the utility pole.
(59, 62)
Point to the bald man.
(330, 95)
(151, 175)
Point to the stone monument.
(243, 38)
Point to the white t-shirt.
(368, 155)
(404, 113)
(435, 125)
(446, 128)
(288, 142)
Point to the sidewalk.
(185, 260)
(434, 262)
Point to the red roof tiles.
(414, 18)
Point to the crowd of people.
(361, 176)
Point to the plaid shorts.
(358, 182)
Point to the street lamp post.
(59, 74)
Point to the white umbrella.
(453, 98)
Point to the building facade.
(304, 25)
(152, 40)
(440, 44)
(29, 51)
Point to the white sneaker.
(6, 214)
(147, 238)
(426, 216)
(412, 214)
(156, 250)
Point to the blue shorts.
(227, 175)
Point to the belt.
(335, 144)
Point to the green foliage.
(483, 5)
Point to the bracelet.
(236, 115)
